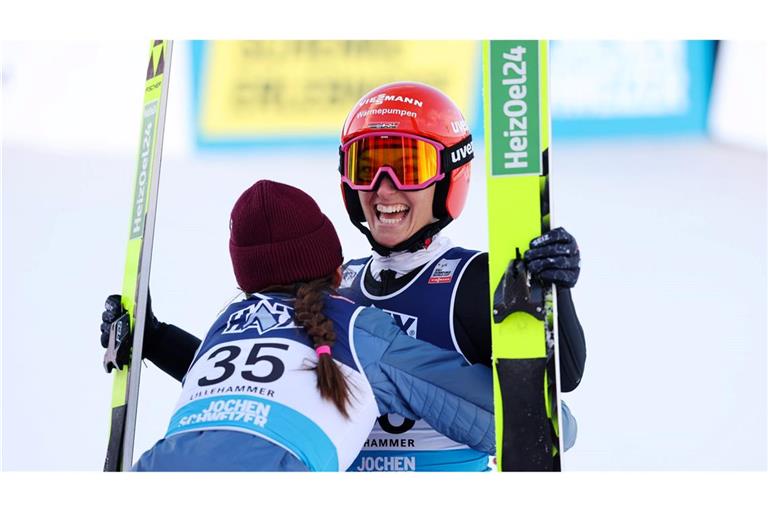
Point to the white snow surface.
(672, 295)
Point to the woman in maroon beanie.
(293, 377)
(405, 163)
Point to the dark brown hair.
(310, 302)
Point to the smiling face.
(393, 215)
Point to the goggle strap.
(452, 157)
(457, 155)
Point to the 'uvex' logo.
(460, 154)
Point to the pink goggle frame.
(412, 162)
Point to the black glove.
(554, 258)
(115, 317)
(113, 309)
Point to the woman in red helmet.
(411, 139)
(292, 377)
(405, 167)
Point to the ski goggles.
(412, 162)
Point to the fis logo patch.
(349, 274)
(443, 272)
(263, 316)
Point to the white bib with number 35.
(268, 387)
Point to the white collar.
(405, 261)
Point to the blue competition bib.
(253, 374)
(396, 443)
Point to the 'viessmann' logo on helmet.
(381, 98)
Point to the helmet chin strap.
(419, 240)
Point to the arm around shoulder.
(415, 379)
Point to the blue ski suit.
(249, 400)
(424, 308)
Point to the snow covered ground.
(672, 294)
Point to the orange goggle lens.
(413, 161)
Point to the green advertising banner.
(514, 123)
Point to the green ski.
(125, 389)
(517, 136)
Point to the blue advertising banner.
(618, 88)
(254, 93)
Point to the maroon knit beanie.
(278, 235)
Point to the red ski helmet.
(416, 110)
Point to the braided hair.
(310, 302)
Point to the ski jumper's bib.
(254, 374)
(423, 309)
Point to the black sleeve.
(472, 324)
(170, 348)
(572, 346)
(472, 312)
